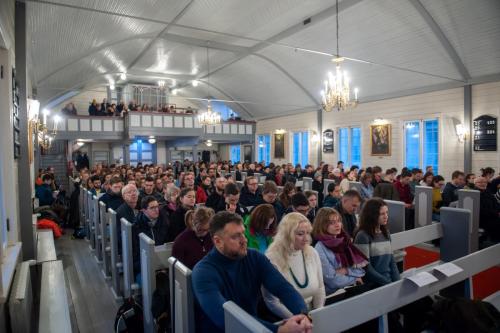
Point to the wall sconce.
(314, 137)
(280, 131)
(461, 132)
(380, 121)
(209, 143)
(80, 143)
(152, 140)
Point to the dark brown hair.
(368, 219)
(261, 215)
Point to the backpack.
(79, 233)
(160, 304)
(129, 318)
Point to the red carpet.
(484, 283)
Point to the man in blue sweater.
(231, 272)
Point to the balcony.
(164, 126)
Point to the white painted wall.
(486, 101)
(161, 152)
(294, 123)
(445, 105)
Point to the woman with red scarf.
(341, 261)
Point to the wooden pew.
(181, 297)
(153, 258)
(115, 260)
(237, 320)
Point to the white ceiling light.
(123, 76)
(161, 83)
(152, 140)
(174, 82)
(79, 143)
(209, 117)
(195, 83)
(337, 93)
(174, 92)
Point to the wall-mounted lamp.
(80, 143)
(152, 140)
(380, 121)
(314, 137)
(209, 143)
(461, 132)
(280, 131)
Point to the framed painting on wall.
(380, 140)
(279, 145)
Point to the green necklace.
(306, 282)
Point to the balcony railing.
(137, 124)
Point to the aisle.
(92, 307)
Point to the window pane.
(304, 151)
(235, 153)
(412, 149)
(355, 146)
(264, 148)
(343, 145)
(431, 144)
(295, 148)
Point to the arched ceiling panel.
(93, 68)
(384, 31)
(259, 19)
(255, 80)
(60, 35)
(311, 71)
(473, 28)
(161, 10)
(174, 58)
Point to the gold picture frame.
(279, 145)
(380, 140)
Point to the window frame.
(348, 161)
(300, 134)
(231, 153)
(266, 148)
(422, 139)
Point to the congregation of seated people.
(292, 250)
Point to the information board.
(485, 133)
(328, 141)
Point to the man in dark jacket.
(216, 199)
(44, 191)
(149, 189)
(113, 197)
(147, 222)
(270, 196)
(450, 191)
(126, 210)
(231, 201)
(489, 211)
(347, 209)
(250, 194)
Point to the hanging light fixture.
(209, 117)
(337, 93)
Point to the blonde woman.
(294, 257)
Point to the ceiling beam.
(445, 43)
(168, 26)
(315, 19)
(94, 50)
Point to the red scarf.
(345, 252)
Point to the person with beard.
(113, 198)
(149, 190)
(216, 199)
(218, 278)
(126, 210)
(260, 227)
(147, 222)
(204, 189)
(185, 201)
(250, 193)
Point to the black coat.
(349, 221)
(111, 200)
(176, 224)
(129, 214)
(158, 233)
(248, 199)
(214, 200)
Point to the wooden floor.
(92, 306)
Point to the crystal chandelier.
(337, 92)
(209, 117)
